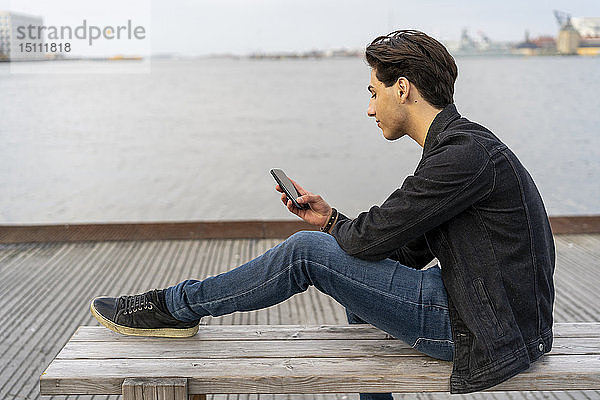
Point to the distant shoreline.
(312, 55)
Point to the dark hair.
(421, 59)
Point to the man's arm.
(456, 174)
(414, 254)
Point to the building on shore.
(578, 35)
(546, 45)
(526, 47)
(542, 45)
(13, 46)
(568, 39)
(589, 30)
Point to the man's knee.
(308, 240)
(309, 249)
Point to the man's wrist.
(330, 221)
(334, 222)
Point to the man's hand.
(319, 212)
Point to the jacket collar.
(439, 124)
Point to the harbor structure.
(578, 35)
(539, 46)
(527, 47)
(589, 30)
(480, 45)
(12, 47)
(568, 39)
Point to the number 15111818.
(45, 47)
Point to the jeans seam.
(243, 293)
(381, 292)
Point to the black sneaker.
(140, 315)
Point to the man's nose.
(371, 109)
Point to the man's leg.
(409, 304)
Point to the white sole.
(159, 332)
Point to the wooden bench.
(290, 359)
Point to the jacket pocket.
(489, 320)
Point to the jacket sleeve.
(414, 254)
(455, 174)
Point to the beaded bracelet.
(330, 221)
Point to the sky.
(201, 27)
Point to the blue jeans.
(409, 304)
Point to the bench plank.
(165, 348)
(312, 375)
(169, 348)
(250, 332)
(302, 332)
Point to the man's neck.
(422, 117)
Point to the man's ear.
(402, 89)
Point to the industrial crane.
(562, 18)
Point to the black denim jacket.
(471, 204)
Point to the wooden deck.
(45, 290)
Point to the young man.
(487, 304)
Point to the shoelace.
(133, 304)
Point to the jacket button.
(541, 346)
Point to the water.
(194, 140)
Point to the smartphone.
(288, 187)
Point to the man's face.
(387, 109)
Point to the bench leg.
(155, 389)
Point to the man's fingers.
(288, 203)
(278, 188)
(308, 198)
(291, 207)
(299, 188)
